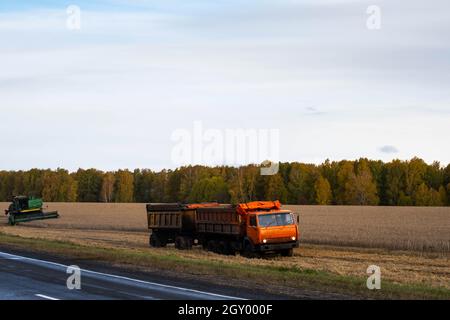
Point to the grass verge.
(290, 278)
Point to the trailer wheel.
(222, 247)
(155, 242)
(180, 243)
(189, 242)
(212, 246)
(287, 252)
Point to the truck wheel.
(222, 247)
(249, 251)
(287, 252)
(163, 241)
(180, 243)
(212, 246)
(189, 242)
(155, 242)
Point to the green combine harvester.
(24, 209)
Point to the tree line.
(360, 182)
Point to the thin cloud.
(388, 149)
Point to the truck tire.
(189, 243)
(222, 247)
(180, 243)
(287, 252)
(226, 248)
(212, 246)
(154, 241)
(249, 251)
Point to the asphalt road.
(24, 278)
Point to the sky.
(112, 94)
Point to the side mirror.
(298, 219)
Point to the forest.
(360, 182)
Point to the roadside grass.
(291, 278)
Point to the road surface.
(24, 278)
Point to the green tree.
(89, 185)
(143, 184)
(301, 183)
(124, 186)
(210, 189)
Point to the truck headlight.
(294, 238)
(264, 241)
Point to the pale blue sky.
(111, 94)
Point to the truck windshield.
(277, 219)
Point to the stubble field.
(411, 245)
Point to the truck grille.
(278, 240)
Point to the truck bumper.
(277, 246)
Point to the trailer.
(250, 229)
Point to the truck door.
(252, 229)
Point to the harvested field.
(341, 240)
(423, 229)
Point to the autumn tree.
(243, 182)
(344, 176)
(124, 186)
(360, 189)
(323, 191)
(275, 188)
(107, 191)
(59, 186)
(395, 185)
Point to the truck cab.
(272, 231)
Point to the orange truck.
(251, 228)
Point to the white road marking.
(16, 257)
(45, 297)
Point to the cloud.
(388, 149)
(130, 77)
